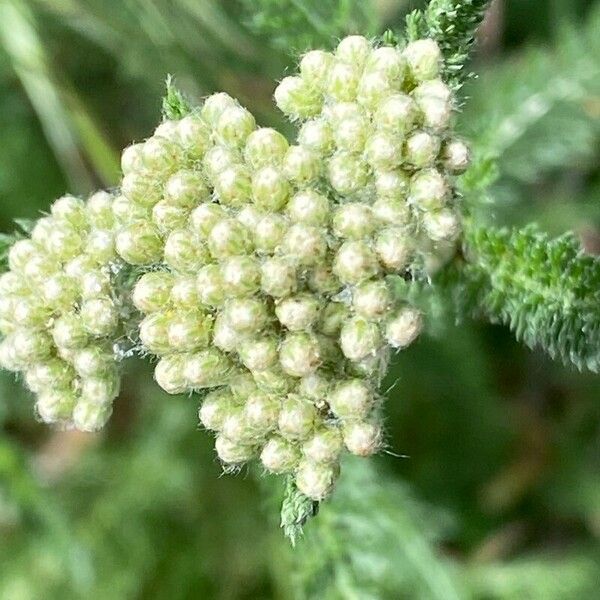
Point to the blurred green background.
(499, 497)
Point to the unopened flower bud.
(351, 134)
(348, 174)
(152, 291)
(261, 412)
(193, 135)
(161, 155)
(131, 159)
(214, 106)
(60, 291)
(456, 156)
(269, 232)
(362, 438)
(301, 165)
(342, 82)
(229, 238)
(258, 354)
(233, 453)
(270, 189)
(297, 99)
(324, 446)
(235, 124)
(92, 361)
(316, 480)
(274, 381)
(189, 331)
(296, 418)
(428, 189)
(279, 455)
(384, 151)
(372, 299)
(55, 405)
(99, 316)
(397, 114)
(89, 416)
(359, 338)
(246, 315)
(373, 87)
(353, 220)
(139, 243)
(442, 225)
(68, 331)
(333, 317)
(317, 136)
(298, 313)
(355, 262)
(204, 217)
(403, 327)
(100, 246)
(299, 354)
(30, 345)
(71, 210)
(304, 244)
(153, 331)
(351, 399)
(186, 189)
(309, 207)
(387, 60)
(314, 67)
(169, 374)
(264, 147)
(214, 409)
(424, 59)
(241, 275)
(219, 158)
(184, 293)
(208, 368)
(394, 248)
(322, 280)
(421, 149)
(278, 277)
(184, 252)
(225, 337)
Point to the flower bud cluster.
(58, 316)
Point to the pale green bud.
(184, 293)
(279, 456)
(80, 266)
(348, 174)
(59, 291)
(53, 373)
(189, 331)
(184, 252)
(139, 243)
(215, 407)
(242, 385)
(269, 232)
(421, 149)
(273, 381)
(397, 114)
(297, 99)
(100, 390)
(210, 285)
(403, 327)
(309, 207)
(304, 245)
(270, 189)
(249, 216)
(64, 242)
(30, 312)
(355, 262)
(392, 185)
(229, 238)
(373, 88)
(246, 315)
(99, 316)
(55, 405)
(20, 253)
(131, 159)
(372, 299)
(186, 189)
(384, 151)
(100, 245)
(258, 354)
(278, 277)
(350, 135)
(351, 399)
(125, 210)
(442, 225)
(322, 280)
(219, 158)
(261, 412)
(392, 212)
(95, 283)
(42, 230)
(298, 313)
(167, 130)
(296, 418)
(333, 316)
(236, 429)
(161, 155)
(353, 220)
(233, 453)
(314, 67)
(343, 81)
(71, 210)
(204, 217)
(338, 112)
(234, 125)
(208, 368)
(264, 147)
(152, 291)
(316, 480)
(389, 61)
(233, 186)
(215, 105)
(394, 248)
(68, 332)
(169, 374)
(317, 136)
(89, 416)
(424, 59)
(8, 358)
(428, 189)
(300, 354)
(362, 438)
(31, 346)
(301, 165)
(315, 386)
(13, 284)
(193, 135)
(354, 49)
(456, 156)
(359, 338)
(92, 361)
(324, 446)
(153, 331)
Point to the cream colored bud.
(152, 291)
(214, 106)
(354, 50)
(264, 147)
(99, 316)
(279, 455)
(394, 248)
(235, 124)
(214, 409)
(324, 446)
(258, 354)
(424, 59)
(296, 418)
(403, 327)
(362, 438)
(298, 313)
(186, 189)
(184, 252)
(169, 374)
(355, 262)
(317, 136)
(397, 114)
(278, 277)
(372, 299)
(348, 174)
(270, 189)
(304, 245)
(314, 67)
(353, 220)
(359, 338)
(316, 480)
(299, 354)
(442, 226)
(351, 399)
(210, 285)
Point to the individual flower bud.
(384, 151)
(89, 416)
(362, 438)
(188, 331)
(397, 114)
(184, 293)
(265, 147)
(315, 386)
(31, 346)
(229, 238)
(152, 291)
(373, 87)
(100, 390)
(258, 354)
(219, 158)
(242, 385)
(8, 358)
(351, 399)
(13, 284)
(214, 409)
(169, 374)
(277, 277)
(436, 112)
(371, 299)
(428, 189)
(421, 149)
(20, 253)
(236, 429)
(317, 136)
(297, 99)
(92, 361)
(333, 316)
(348, 174)
(309, 207)
(153, 331)
(126, 211)
(389, 61)
(304, 245)
(204, 217)
(167, 130)
(246, 315)
(269, 232)
(296, 418)
(53, 373)
(403, 327)
(279, 456)
(353, 220)
(324, 446)
(343, 82)
(359, 338)
(30, 312)
(59, 291)
(233, 186)
(208, 368)
(270, 189)
(424, 59)
(394, 249)
(214, 106)
(140, 189)
(234, 125)
(314, 67)
(64, 242)
(100, 246)
(131, 159)
(298, 313)
(301, 166)
(139, 243)
(355, 262)
(273, 381)
(95, 283)
(233, 453)
(392, 185)
(55, 405)
(261, 412)
(69, 210)
(322, 280)
(442, 225)
(455, 156)
(354, 50)
(210, 286)
(68, 332)
(224, 336)
(99, 316)
(41, 231)
(184, 252)
(338, 112)
(186, 189)
(249, 216)
(351, 134)
(193, 135)
(299, 354)
(40, 267)
(316, 480)
(161, 155)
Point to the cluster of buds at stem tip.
(269, 264)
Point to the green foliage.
(174, 105)
(547, 291)
(296, 509)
